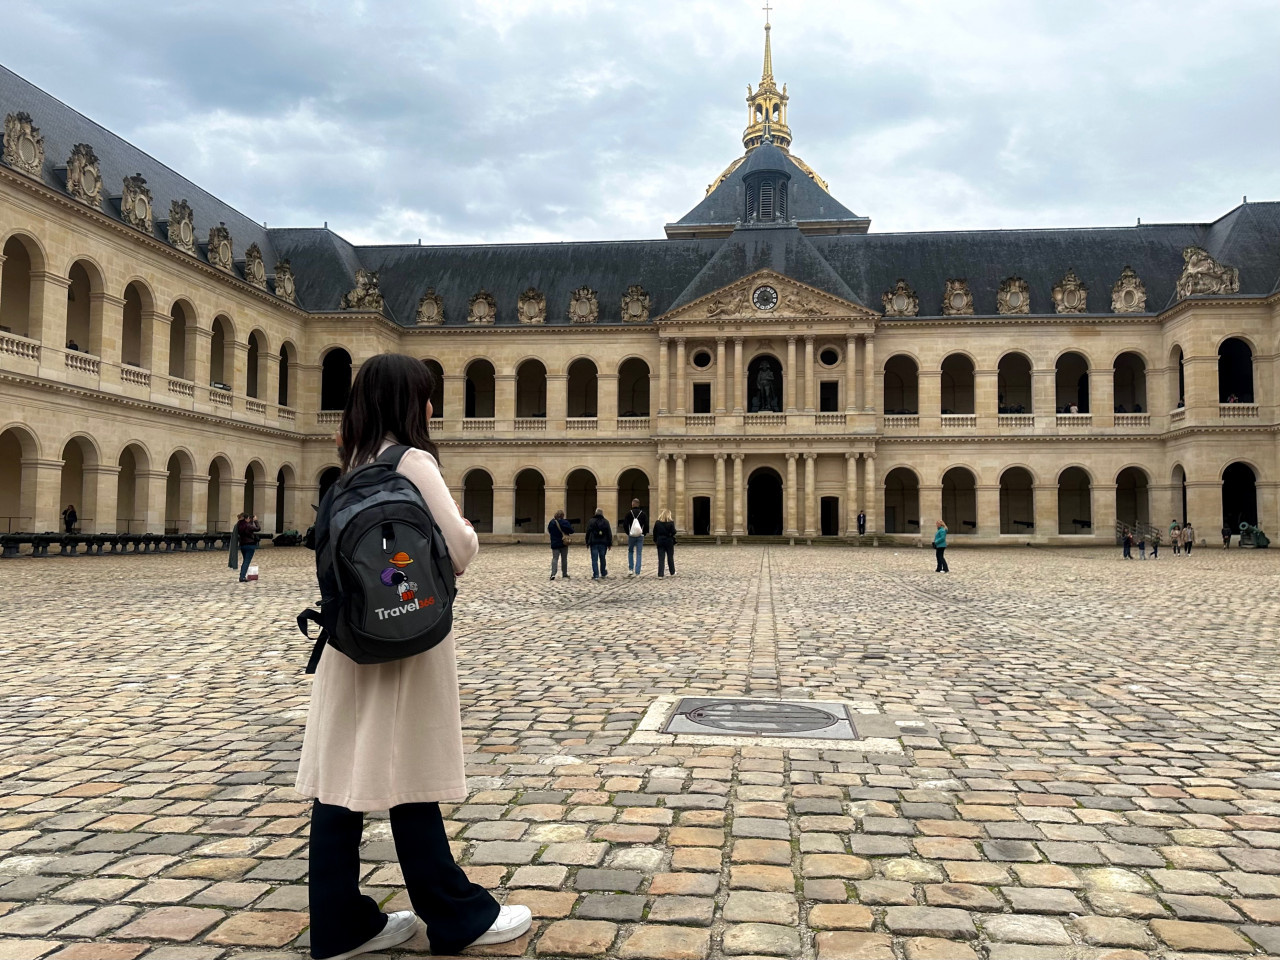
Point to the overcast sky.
(515, 120)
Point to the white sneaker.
(512, 922)
(401, 925)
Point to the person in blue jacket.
(557, 530)
(940, 548)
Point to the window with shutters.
(782, 200)
(766, 200)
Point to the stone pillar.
(1102, 397)
(870, 495)
(664, 377)
(661, 503)
(930, 395)
(199, 343)
(100, 491)
(607, 401)
(239, 372)
(681, 508)
(48, 312)
(849, 526)
(1044, 401)
(155, 343)
(790, 525)
(986, 399)
(1204, 508)
(739, 497)
(719, 527)
(720, 377)
(988, 509)
(268, 378)
(197, 517)
(869, 385)
(504, 508)
(151, 509)
(851, 378)
(557, 403)
(739, 371)
(41, 496)
(264, 504)
(790, 392)
(607, 500)
(504, 402)
(553, 500)
(809, 372)
(931, 510)
(106, 327)
(1102, 510)
(680, 376)
(810, 477)
(455, 401)
(1046, 507)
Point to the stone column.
(607, 401)
(931, 510)
(197, 515)
(239, 373)
(870, 494)
(106, 329)
(101, 481)
(680, 378)
(557, 403)
(1102, 513)
(664, 382)
(504, 402)
(849, 527)
(810, 489)
(719, 527)
(47, 310)
(504, 508)
(720, 377)
(681, 509)
(930, 397)
(41, 496)
(1102, 397)
(986, 399)
(552, 500)
(790, 392)
(1044, 398)
(156, 329)
(739, 497)
(739, 372)
(607, 500)
(151, 509)
(655, 509)
(199, 343)
(869, 385)
(264, 504)
(790, 521)
(1046, 507)
(268, 378)
(851, 376)
(455, 401)
(809, 372)
(988, 509)
(1204, 508)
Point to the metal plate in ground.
(888, 725)
(810, 719)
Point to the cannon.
(1251, 536)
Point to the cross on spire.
(766, 8)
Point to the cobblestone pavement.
(1091, 766)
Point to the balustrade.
(83, 363)
(19, 346)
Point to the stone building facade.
(770, 367)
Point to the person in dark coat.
(70, 518)
(664, 537)
(557, 530)
(599, 540)
(247, 537)
(862, 523)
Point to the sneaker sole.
(506, 936)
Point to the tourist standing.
(862, 523)
(557, 530)
(599, 540)
(637, 522)
(1128, 544)
(664, 538)
(246, 537)
(1142, 548)
(388, 736)
(1188, 538)
(1155, 544)
(1175, 537)
(70, 518)
(1226, 537)
(940, 548)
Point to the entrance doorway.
(830, 513)
(764, 503)
(701, 516)
(1239, 496)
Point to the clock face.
(765, 298)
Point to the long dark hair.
(389, 398)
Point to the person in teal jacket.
(940, 548)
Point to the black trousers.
(668, 551)
(455, 910)
(942, 560)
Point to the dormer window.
(766, 199)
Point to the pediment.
(739, 301)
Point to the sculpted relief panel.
(365, 295)
(220, 255)
(483, 308)
(957, 300)
(285, 288)
(1014, 296)
(532, 306)
(255, 271)
(135, 203)
(23, 144)
(1071, 295)
(84, 178)
(901, 301)
(1202, 275)
(635, 305)
(583, 306)
(1129, 294)
(182, 227)
(430, 308)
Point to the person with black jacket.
(557, 530)
(599, 540)
(664, 536)
(636, 519)
(247, 537)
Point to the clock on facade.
(765, 298)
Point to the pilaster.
(504, 508)
(870, 492)
(681, 507)
(810, 481)
(719, 528)
(739, 497)
(791, 522)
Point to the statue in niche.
(1201, 274)
(365, 295)
(765, 396)
(84, 178)
(23, 144)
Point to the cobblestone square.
(1094, 770)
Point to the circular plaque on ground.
(744, 716)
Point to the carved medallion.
(23, 144)
(1013, 296)
(901, 301)
(635, 305)
(1071, 295)
(1129, 294)
(583, 307)
(84, 178)
(365, 295)
(135, 203)
(285, 288)
(483, 308)
(430, 308)
(532, 306)
(220, 254)
(182, 227)
(1202, 275)
(957, 301)
(255, 271)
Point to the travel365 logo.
(406, 589)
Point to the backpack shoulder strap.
(393, 454)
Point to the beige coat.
(382, 734)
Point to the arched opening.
(1071, 383)
(1239, 496)
(177, 493)
(633, 388)
(1180, 495)
(477, 500)
(284, 390)
(764, 503)
(1075, 502)
(764, 384)
(255, 365)
(437, 387)
(530, 499)
(1235, 371)
(1177, 379)
(78, 489)
(583, 388)
(1133, 498)
(328, 477)
(180, 322)
(84, 316)
(335, 379)
(132, 490)
(284, 485)
(957, 385)
(15, 289)
(1017, 502)
(960, 500)
(633, 485)
(17, 499)
(1013, 384)
(580, 497)
(901, 386)
(216, 519)
(901, 501)
(531, 389)
(480, 389)
(255, 479)
(221, 355)
(1129, 380)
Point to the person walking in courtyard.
(1128, 544)
(1142, 548)
(246, 537)
(862, 523)
(637, 522)
(664, 538)
(599, 540)
(1226, 537)
(388, 736)
(1188, 538)
(940, 548)
(1155, 544)
(1175, 537)
(70, 518)
(557, 530)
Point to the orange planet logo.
(401, 559)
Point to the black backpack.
(387, 584)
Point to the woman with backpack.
(388, 735)
(664, 538)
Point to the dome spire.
(767, 105)
(766, 76)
